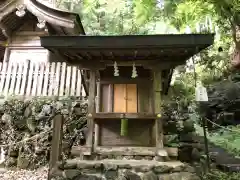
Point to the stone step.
(127, 151)
(140, 165)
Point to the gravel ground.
(39, 174)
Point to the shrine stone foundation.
(111, 169)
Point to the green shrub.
(218, 175)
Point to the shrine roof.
(68, 21)
(104, 50)
(58, 22)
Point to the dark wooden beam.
(6, 32)
(136, 42)
(96, 63)
(144, 116)
(124, 80)
(125, 57)
(167, 81)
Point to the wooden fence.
(40, 79)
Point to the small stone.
(149, 157)
(85, 166)
(143, 168)
(159, 158)
(128, 157)
(131, 176)
(87, 177)
(178, 169)
(122, 177)
(58, 105)
(13, 152)
(65, 112)
(31, 124)
(6, 118)
(47, 109)
(196, 155)
(149, 176)
(125, 166)
(28, 112)
(165, 177)
(162, 169)
(110, 167)
(10, 162)
(71, 173)
(111, 174)
(188, 137)
(188, 126)
(184, 154)
(138, 157)
(23, 162)
(179, 176)
(189, 169)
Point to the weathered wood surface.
(56, 149)
(30, 79)
(91, 109)
(96, 128)
(157, 79)
(139, 133)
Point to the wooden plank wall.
(40, 79)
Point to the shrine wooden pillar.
(57, 135)
(91, 109)
(157, 89)
(96, 125)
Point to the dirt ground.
(38, 174)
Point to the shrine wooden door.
(125, 98)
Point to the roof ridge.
(51, 15)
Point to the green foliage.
(229, 140)
(102, 17)
(218, 175)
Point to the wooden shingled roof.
(160, 51)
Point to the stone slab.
(139, 165)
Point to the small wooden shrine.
(23, 22)
(128, 77)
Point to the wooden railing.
(40, 79)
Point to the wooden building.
(129, 75)
(25, 67)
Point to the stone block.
(162, 169)
(179, 176)
(72, 173)
(149, 176)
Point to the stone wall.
(24, 119)
(179, 131)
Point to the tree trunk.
(236, 38)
